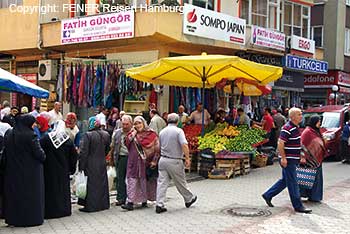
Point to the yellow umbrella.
(249, 88)
(203, 71)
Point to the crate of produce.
(245, 165)
(232, 164)
(206, 162)
(260, 160)
(221, 173)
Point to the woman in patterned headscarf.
(93, 148)
(141, 173)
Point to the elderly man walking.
(289, 149)
(120, 155)
(173, 145)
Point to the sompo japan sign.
(210, 24)
(98, 28)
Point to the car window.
(331, 120)
(306, 117)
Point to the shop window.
(347, 42)
(263, 13)
(317, 35)
(296, 20)
(207, 4)
(8, 3)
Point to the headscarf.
(313, 120)
(93, 123)
(71, 120)
(43, 122)
(46, 115)
(147, 139)
(59, 135)
(24, 110)
(114, 115)
(26, 120)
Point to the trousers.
(172, 169)
(289, 180)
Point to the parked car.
(333, 119)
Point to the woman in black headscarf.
(314, 150)
(24, 175)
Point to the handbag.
(306, 177)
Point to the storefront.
(321, 89)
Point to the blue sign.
(305, 64)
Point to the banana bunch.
(229, 131)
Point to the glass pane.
(259, 20)
(305, 11)
(259, 7)
(199, 3)
(287, 30)
(210, 5)
(273, 17)
(318, 36)
(305, 28)
(297, 31)
(245, 10)
(297, 15)
(288, 13)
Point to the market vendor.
(242, 118)
(196, 116)
(267, 122)
(182, 115)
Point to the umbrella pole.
(203, 80)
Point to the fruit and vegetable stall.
(225, 151)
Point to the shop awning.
(12, 83)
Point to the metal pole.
(203, 80)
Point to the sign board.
(200, 22)
(305, 64)
(327, 80)
(98, 28)
(32, 78)
(268, 38)
(261, 58)
(302, 44)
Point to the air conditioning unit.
(48, 69)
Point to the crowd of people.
(41, 150)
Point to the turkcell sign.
(210, 24)
(306, 64)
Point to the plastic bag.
(81, 185)
(111, 174)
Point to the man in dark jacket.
(11, 118)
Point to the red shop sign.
(321, 79)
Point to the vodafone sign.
(200, 22)
(332, 78)
(302, 44)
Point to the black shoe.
(128, 206)
(346, 161)
(267, 200)
(160, 209)
(83, 210)
(188, 204)
(144, 205)
(119, 203)
(303, 210)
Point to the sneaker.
(160, 209)
(188, 204)
(267, 200)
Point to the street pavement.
(223, 206)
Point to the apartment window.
(207, 4)
(263, 13)
(347, 2)
(7, 3)
(317, 35)
(296, 20)
(347, 42)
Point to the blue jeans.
(289, 180)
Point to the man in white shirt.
(196, 115)
(5, 109)
(157, 123)
(182, 115)
(102, 117)
(55, 113)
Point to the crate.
(232, 164)
(244, 166)
(260, 160)
(221, 173)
